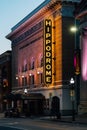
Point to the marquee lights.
(48, 50)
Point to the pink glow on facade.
(75, 61)
(84, 58)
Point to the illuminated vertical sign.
(84, 58)
(48, 50)
(77, 61)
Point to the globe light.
(25, 90)
(72, 81)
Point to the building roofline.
(31, 14)
(36, 10)
(8, 52)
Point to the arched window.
(32, 63)
(40, 60)
(25, 65)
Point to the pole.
(73, 112)
(72, 94)
(73, 102)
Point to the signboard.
(48, 51)
(77, 62)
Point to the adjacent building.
(81, 15)
(42, 58)
(5, 79)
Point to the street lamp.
(73, 29)
(72, 94)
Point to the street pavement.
(80, 119)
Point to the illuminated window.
(40, 61)
(25, 65)
(32, 64)
(5, 83)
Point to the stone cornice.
(37, 17)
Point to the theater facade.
(42, 58)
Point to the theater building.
(81, 15)
(42, 58)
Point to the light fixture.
(30, 74)
(73, 29)
(25, 91)
(22, 76)
(72, 81)
(16, 77)
(38, 72)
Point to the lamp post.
(76, 31)
(72, 94)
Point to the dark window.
(24, 81)
(41, 61)
(31, 79)
(32, 65)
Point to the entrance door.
(55, 106)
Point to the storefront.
(27, 104)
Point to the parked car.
(12, 112)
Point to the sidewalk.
(1, 115)
(80, 119)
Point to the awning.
(30, 96)
(18, 96)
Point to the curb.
(65, 121)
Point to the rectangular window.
(40, 78)
(24, 81)
(31, 79)
(32, 66)
(41, 62)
